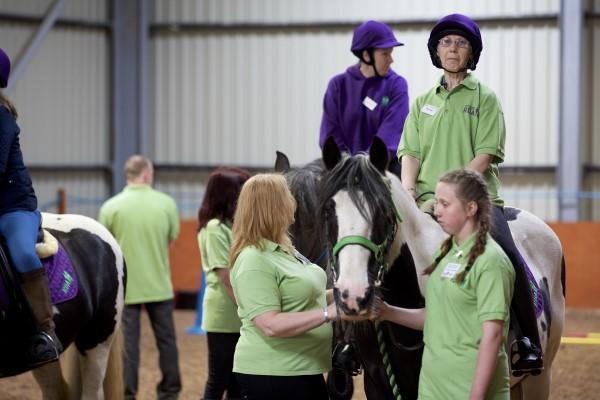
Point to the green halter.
(378, 250)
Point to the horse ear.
(282, 162)
(378, 154)
(331, 153)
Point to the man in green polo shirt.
(145, 221)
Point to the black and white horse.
(376, 346)
(90, 320)
(370, 217)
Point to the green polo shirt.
(144, 221)
(272, 280)
(455, 313)
(219, 313)
(446, 130)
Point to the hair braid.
(445, 248)
(477, 249)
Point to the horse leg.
(93, 369)
(51, 382)
(537, 387)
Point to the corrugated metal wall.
(245, 78)
(90, 10)
(234, 80)
(286, 11)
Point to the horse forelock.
(358, 176)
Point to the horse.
(368, 213)
(90, 320)
(400, 288)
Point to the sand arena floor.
(575, 375)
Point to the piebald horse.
(359, 196)
(89, 321)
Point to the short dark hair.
(222, 191)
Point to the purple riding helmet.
(456, 24)
(4, 69)
(372, 35)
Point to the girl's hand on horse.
(332, 313)
(329, 296)
(378, 307)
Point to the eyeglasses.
(460, 43)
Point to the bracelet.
(326, 314)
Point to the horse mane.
(357, 175)
(303, 183)
(306, 231)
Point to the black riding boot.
(526, 354)
(44, 346)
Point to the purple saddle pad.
(62, 280)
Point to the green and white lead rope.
(386, 362)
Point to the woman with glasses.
(459, 123)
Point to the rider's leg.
(528, 339)
(20, 229)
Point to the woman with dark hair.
(219, 309)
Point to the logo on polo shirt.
(474, 111)
(385, 100)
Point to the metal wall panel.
(539, 195)
(62, 97)
(187, 188)
(86, 191)
(93, 10)
(236, 97)
(285, 11)
(591, 208)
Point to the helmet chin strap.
(371, 61)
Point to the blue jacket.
(16, 189)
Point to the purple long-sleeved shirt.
(352, 124)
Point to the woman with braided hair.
(465, 322)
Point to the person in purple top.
(19, 224)
(369, 99)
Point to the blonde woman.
(285, 339)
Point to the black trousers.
(161, 319)
(268, 387)
(221, 347)
(522, 302)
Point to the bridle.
(379, 251)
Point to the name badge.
(450, 270)
(429, 109)
(369, 103)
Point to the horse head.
(307, 229)
(361, 223)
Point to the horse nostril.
(345, 294)
(363, 302)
